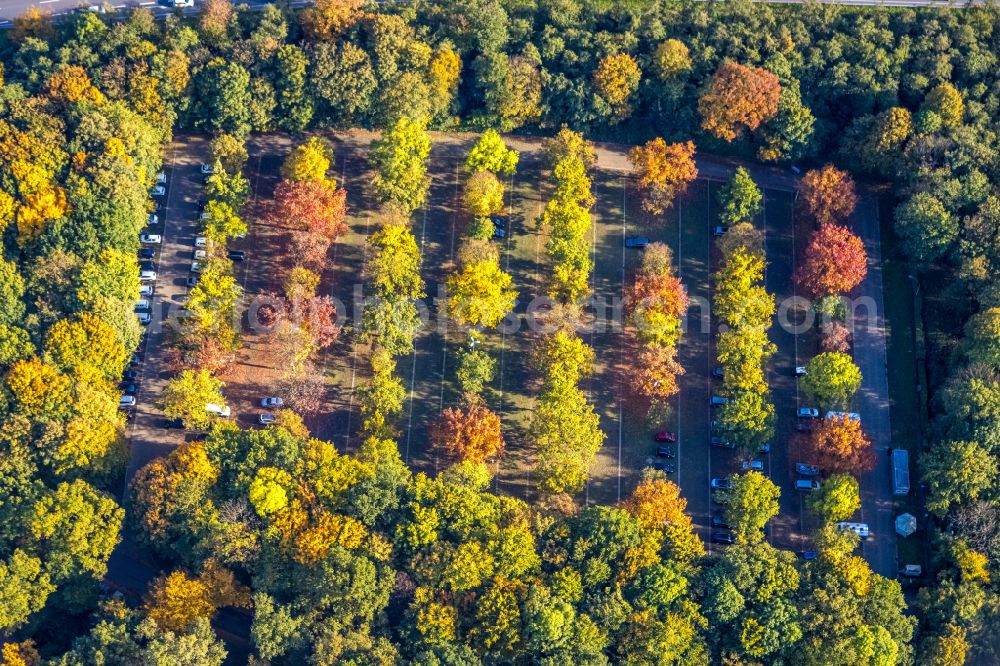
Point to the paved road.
(10, 9)
(873, 398)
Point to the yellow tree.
(664, 172)
(480, 294)
(309, 161)
(326, 20)
(617, 79)
(483, 194)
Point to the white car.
(200, 241)
(808, 413)
(126, 401)
(272, 402)
(203, 216)
(197, 267)
(200, 254)
(151, 239)
(144, 318)
(850, 416)
(752, 465)
(158, 191)
(153, 219)
(183, 3)
(142, 304)
(161, 178)
(218, 410)
(266, 419)
(147, 276)
(207, 168)
(145, 290)
(800, 370)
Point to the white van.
(861, 529)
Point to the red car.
(664, 436)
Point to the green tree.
(831, 380)
(74, 528)
(11, 294)
(24, 588)
(837, 499)
(186, 396)
(474, 369)
(491, 154)
(483, 194)
(926, 228)
(750, 503)
(224, 98)
(295, 108)
(956, 472)
(740, 198)
(399, 159)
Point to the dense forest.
(357, 560)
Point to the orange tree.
(835, 262)
(470, 434)
(739, 98)
(664, 171)
(828, 194)
(838, 445)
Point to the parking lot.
(429, 381)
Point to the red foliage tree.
(836, 338)
(470, 434)
(653, 372)
(313, 206)
(828, 194)
(838, 445)
(739, 98)
(835, 262)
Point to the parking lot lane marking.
(503, 333)
(413, 364)
(621, 346)
(444, 347)
(680, 276)
(711, 337)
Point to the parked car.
(800, 370)
(766, 448)
(152, 219)
(718, 520)
(200, 241)
(172, 423)
(142, 304)
(804, 425)
(721, 484)
(219, 410)
(266, 419)
(207, 168)
(718, 401)
(718, 441)
(636, 241)
(158, 191)
(752, 465)
(809, 554)
(150, 239)
(718, 373)
(202, 216)
(130, 376)
(663, 467)
(197, 267)
(146, 253)
(200, 254)
(807, 484)
(850, 416)
(808, 413)
(237, 255)
(192, 280)
(666, 436)
(499, 232)
(161, 178)
(144, 318)
(272, 402)
(664, 452)
(126, 401)
(128, 388)
(861, 529)
(725, 538)
(807, 470)
(145, 290)
(147, 276)
(719, 230)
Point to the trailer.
(900, 472)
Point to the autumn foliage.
(470, 434)
(664, 171)
(313, 206)
(835, 262)
(616, 79)
(838, 445)
(739, 98)
(828, 194)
